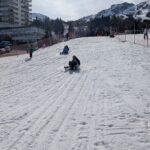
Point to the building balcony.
(8, 3)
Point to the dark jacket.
(66, 50)
(75, 59)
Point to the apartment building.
(15, 13)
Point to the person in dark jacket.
(67, 36)
(31, 51)
(75, 63)
(145, 33)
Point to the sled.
(67, 68)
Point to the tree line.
(117, 24)
(49, 25)
(95, 26)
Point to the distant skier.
(65, 50)
(74, 64)
(145, 33)
(32, 49)
(67, 36)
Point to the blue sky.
(73, 9)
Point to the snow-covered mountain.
(124, 10)
(88, 18)
(142, 10)
(115, 9)
(38, 16)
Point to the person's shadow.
(74, 71)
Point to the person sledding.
(65, 50)
(74, 64)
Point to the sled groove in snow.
(45, 118)
(29, 122)
(63, 113)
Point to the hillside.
(104, 106)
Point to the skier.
(67, 36)
(74, 64)
(146, 33)
(32, 49)
(65, 50)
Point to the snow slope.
(105, 106)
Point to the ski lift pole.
(125, 31)
(134, 33)
(147, 40)
(147, 36)
(125, 36)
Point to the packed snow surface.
(103, 106)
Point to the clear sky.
(73, 9)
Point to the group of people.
(74, 63)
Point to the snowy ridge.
(124, 10)
(88, 18)
(38, 16)
(142, 9)
(115, 9)
(104, 106)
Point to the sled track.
(64, 112)
(45, 113)
(43, 106)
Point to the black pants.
(72, 65)
(146, 36)
(30, 54)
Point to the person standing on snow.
(67, 36)
(32, 49)
(145, 33)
